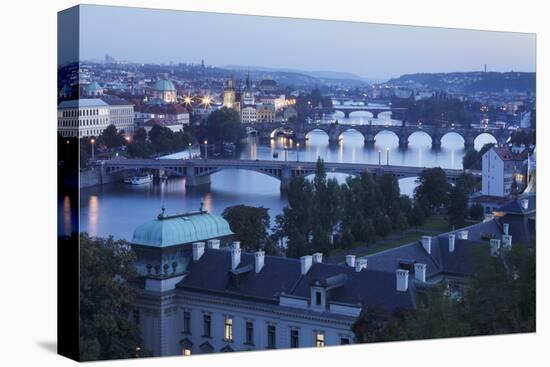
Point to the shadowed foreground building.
(202, 294)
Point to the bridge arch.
(279, 130)
(350, 129)
(482, 138)
(361, 113)
(449, 135)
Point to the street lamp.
(205, 149)
(93, 148)
(189, 150)
(379, 157)
(387, 156)
(297, 152)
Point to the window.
(228, 329)
(249, 337)
(271, 337)
(318, 298)
(320, 340)
(187, 322)
(206, 325)
(137, 317)
(186, 352)
(294, 339)
(344, 341)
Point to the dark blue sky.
(368, 50)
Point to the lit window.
(320, 340)
(228, 329)
(186, 352)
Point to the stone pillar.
(436, 141)
(346, 114)
(369, 139)
(286, 177)
(469, 142)
(403, 140)
(193, 180)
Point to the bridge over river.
(334, 131)
(198, 171)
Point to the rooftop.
(181, 229)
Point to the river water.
(117, 209)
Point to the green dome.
(181, 229)
(94, 87)
(164, 85)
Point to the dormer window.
(318, 298)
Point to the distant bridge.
(198, 171)
(374, 110)
(403, 132)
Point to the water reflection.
(118, 209)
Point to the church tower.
(229, 95)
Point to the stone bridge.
(334, 131)
(397, 112)
(198, 171)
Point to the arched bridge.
(374, 110)
(403, 132)
(198, 171)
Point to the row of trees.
(436, 110)
(160, 139)
(500, 298)
(322, 214)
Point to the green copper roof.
(163, 85)
(180, 229)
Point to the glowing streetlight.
(205, 149)
(189, 150)
(187, 100)
(206, 101)
(297, 152)
(93, 148)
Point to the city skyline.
(169, 36)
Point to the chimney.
(350, 260)
(305, 264)
(427, 243)
(360, 264)
(506, 228)
(259, 261)
(452, 237)
(420, 272)
(213, 244)
(525, 204)
(198, 250)
(402, 280)
(507, 241)
(495, 246)
(318, 257)
(462, 235)
(235, 255)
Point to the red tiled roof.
(506, 154)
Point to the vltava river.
(116, 209)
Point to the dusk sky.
(368, 50)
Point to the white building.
(203, 294)
(90, 116)
(249, 115)
(500, 168)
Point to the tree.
(140, 149)
(224, 125)
(472, 158)
(476, 211)
(417, 216)
(111, 138)
(140, 135)
(297, 245)
(371, 325)
(250, 225)
(432, 189)
(458, 206)
(107, 296)
(468, 182)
